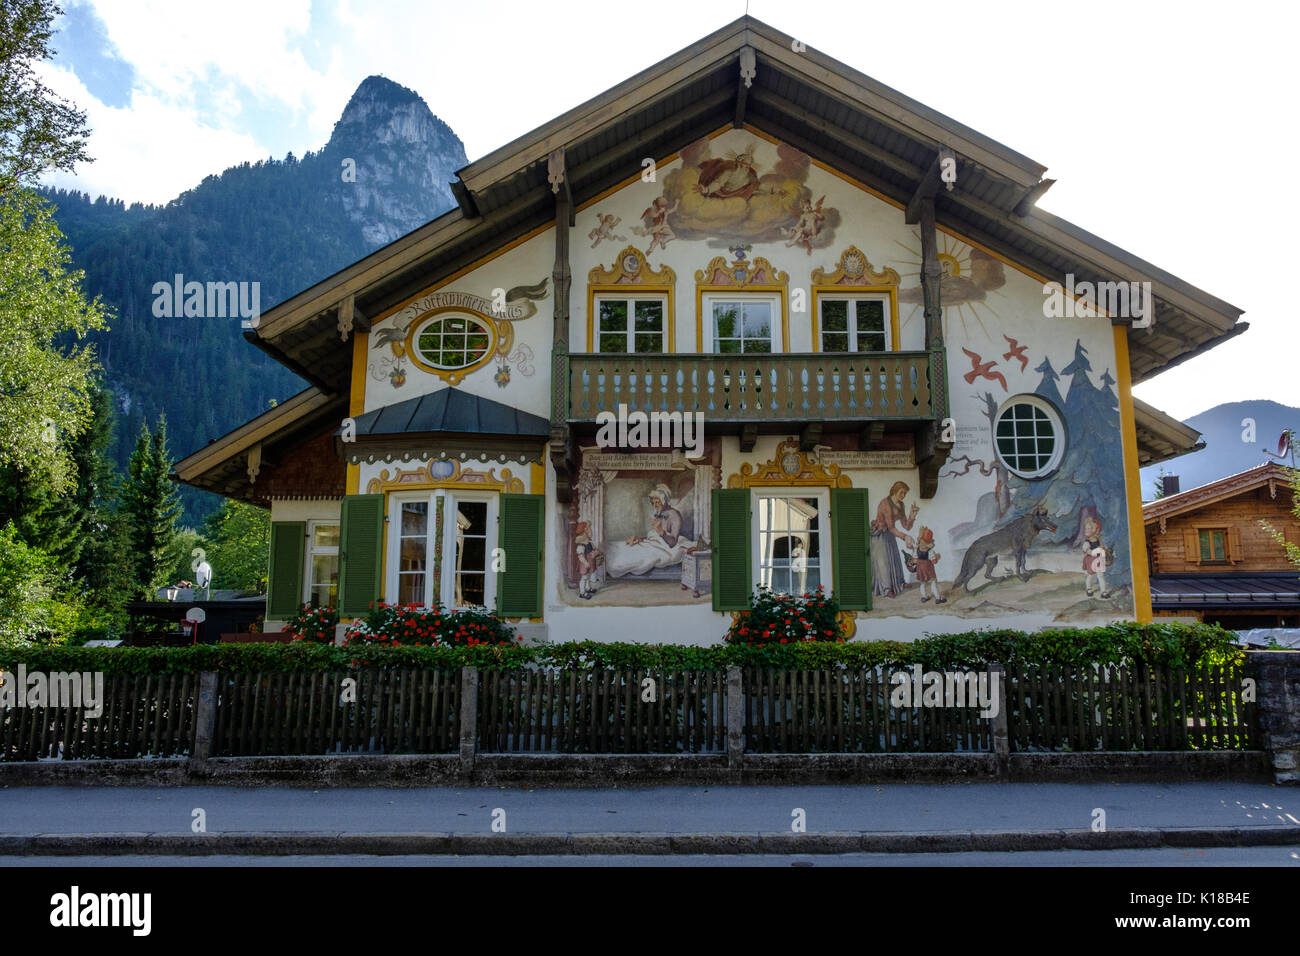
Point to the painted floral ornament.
(397, 376)
(502, 376)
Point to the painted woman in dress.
(886, 563)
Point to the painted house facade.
(749, 318)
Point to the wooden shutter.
(285, 573)
(851, 537)
(521, 524)
(733, 551)
(1192, 547)
(361, 545)
(1234, 546)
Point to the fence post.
(205, 720)
(1001, 724)
(468, 717)
(735, 718)
(1277, 702)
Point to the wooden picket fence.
(144, 715)
(604, 710)
(1129, 708)
(636, 711)
(849, 711)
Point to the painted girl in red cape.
(926, 556)
(886, 563)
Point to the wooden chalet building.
(849, 288)
(1213, 558)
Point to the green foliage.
(151, 506)
(34, 605)
(1173, 644)
(39, 131)
(394, 625)
(1292, 549)
(46, 368)
(312, 623)
(237, 538)
(786, 619)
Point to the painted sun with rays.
(969, 275)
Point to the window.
(453, 340)
(465, 575)
(789, 537)
(630, 325)
(1214, 545)
(853, 325)
(1029, 437)
(323, 564)
(741, 325)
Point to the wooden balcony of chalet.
(780, 389)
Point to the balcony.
(757, 389)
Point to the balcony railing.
(820, 386)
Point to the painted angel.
(605, 230)
(811, 219)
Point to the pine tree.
(150, 505)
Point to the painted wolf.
(1015, 536)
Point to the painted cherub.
(605, 229)
(656, 223)
(803, 232)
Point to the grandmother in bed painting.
(661, 546)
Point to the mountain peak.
(385, 110)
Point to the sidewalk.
(881, 818)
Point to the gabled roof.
(1268, 474)
(830, 111)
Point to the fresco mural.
(639, 530)
(755, 192)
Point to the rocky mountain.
(284, 224)
(1236, 435)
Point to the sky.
(1168, 125)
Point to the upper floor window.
(453, 340)
(629, 325)
(1029, 437)
(853, 324)
(741, 325)
(1214, 545)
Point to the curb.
(640, 844)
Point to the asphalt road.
(884, 808)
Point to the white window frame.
(853, 299)
(447, 583)
(1058, 426)
(823, 496)
(312, 550)
(631, 300)
(707, 301)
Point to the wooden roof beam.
(748, 70)
(931, 180)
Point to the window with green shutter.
(360, 549)
(851, 541)
(733, 556)
(285, 573)
(522, 537)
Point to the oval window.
(453, 341)
(1028, 436)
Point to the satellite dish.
(196, 614)
(203, 575)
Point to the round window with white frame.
(1029, 436)
(451, 341)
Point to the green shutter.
(851, 548)
(733, 552)
(522, 537)
(285, 574)
(361, 545)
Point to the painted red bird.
(980, 369)
(1017, 351)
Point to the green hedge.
(1174, 644)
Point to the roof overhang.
(1160, 436)
(1270, 474)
